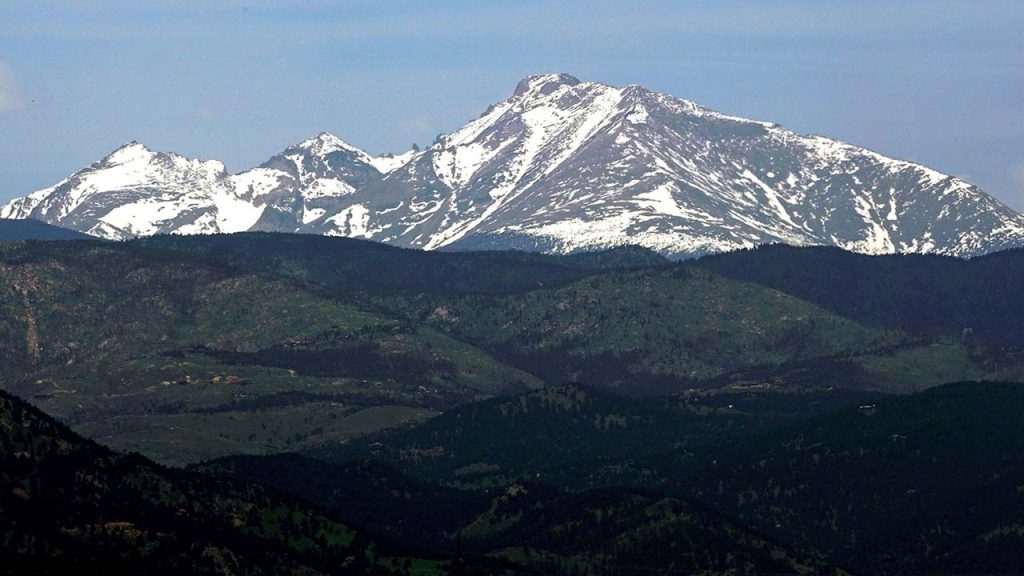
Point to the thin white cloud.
(10, 94)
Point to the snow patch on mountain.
(352, 222)
(390, 162)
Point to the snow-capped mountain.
(560, 166)
(137, 192)
(307, 181)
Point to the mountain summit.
(560, 166)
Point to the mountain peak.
(545, 83)
(130, 152)
(326, 143)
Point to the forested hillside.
(924, 483)
(188, 348)
(770, 411)
(975, 299)
(184, 358)
(15, 229)
(70, 505)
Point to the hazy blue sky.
(940, 83)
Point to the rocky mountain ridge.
(561, 166)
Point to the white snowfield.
(561, 166)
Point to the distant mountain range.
(561, 166)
